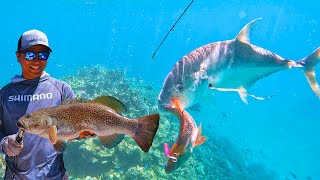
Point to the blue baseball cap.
(32, 38)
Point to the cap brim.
(36, 45)
(44, 46)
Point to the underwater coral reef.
(2, 164)
(88, 159)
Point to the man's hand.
(10, 146)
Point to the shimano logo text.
(30, 39)
(33, 97)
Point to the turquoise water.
(281, 133)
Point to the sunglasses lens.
(43, 55)
(29, 55)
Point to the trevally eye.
(28, 115)
(179, 87)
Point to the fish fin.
(82, 134)
(111, 102)
(146, 130)
(111, 141)
(309, 63)
(70, 101)
(59, 146)
(53, 134)
(311, 77)
(243, 94)
(86, 134)
(244, 34)
(200, 139)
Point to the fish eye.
(28, 115)
(179, 87)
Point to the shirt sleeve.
(68, 93)
(1, 123)
(2, 134)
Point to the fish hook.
(166, 148)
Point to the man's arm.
(8, 144)
(2, 134)
(68, 92)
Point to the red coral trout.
(101, 117)
(189, 137)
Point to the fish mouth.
(170, 167)
(168, 170)
(176, 161)
(21, 125)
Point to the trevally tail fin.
(309, 63)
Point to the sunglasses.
(31, 55)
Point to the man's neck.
(29, 77)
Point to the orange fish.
(100, 117)
(189, 137)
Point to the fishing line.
(154, 54)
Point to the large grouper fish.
(100, 117)
(230, 66)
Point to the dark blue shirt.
(38, 159)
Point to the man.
(34, 157)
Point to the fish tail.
(200, 139)
(147, 129)
(308, 65)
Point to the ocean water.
(280, 134)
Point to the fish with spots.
(101, 117)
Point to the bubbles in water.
(242, 14)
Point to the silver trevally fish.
(232, 65)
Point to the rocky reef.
(88, 159)
(2, 165)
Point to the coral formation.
(2, 165)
